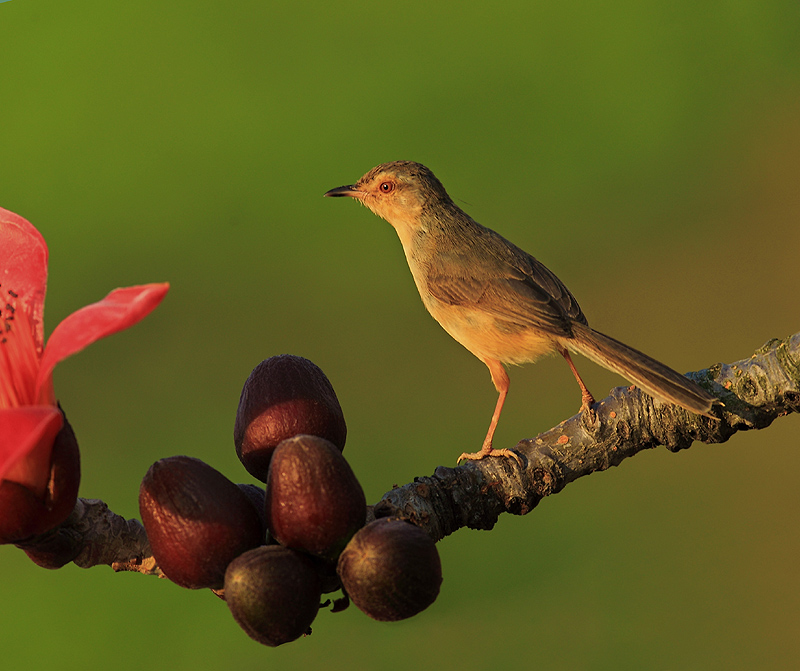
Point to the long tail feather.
(658, 380)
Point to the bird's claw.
(490, 452)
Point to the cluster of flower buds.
(276, 551)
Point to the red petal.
(117, 311)
(23, 268)
(23, 429)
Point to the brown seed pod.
(391, 569)
(284, 396)
(197, 521)
(273, 593)
(314, 501)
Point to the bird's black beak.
(340, 191)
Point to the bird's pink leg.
(501, 383)
(587, 400)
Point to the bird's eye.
(387, 187)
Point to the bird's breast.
(489, 337)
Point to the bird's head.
(399, 192)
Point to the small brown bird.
(499, 302)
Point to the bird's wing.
(504, 281)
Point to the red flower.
(32, 426)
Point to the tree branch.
(754, 391)
(93, 535)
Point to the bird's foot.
(587, 400)
(489, 451)
(587, 412)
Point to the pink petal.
(117, 311)
(23, 429)
(23, 268)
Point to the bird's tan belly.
(489, 337)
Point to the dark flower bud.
(314, 501)
(328, 575)
(273, 593)
(391, 569)
(24, 514)
(197, 521)
(284, 396)
(255, 495)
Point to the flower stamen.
(19, 358)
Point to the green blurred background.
(649, 153)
